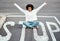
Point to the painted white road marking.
(48, 25)
(37, 16)
(22, 38)
(8, 36)
(22, 34)
(51, 31)
(56, 25)
(40, 38)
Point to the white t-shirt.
(30, 16)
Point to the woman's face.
(29, 9)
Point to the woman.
(30, 14)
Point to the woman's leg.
(28, 24)
(35, 23)
(31, 24)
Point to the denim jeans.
(31, 23)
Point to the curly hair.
(29, 5)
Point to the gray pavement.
(16, 30)
(52, 9)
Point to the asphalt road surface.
(16, 30)
(51, 22)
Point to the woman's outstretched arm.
(41, 6)
(22, 10)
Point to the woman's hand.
(46, 2)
